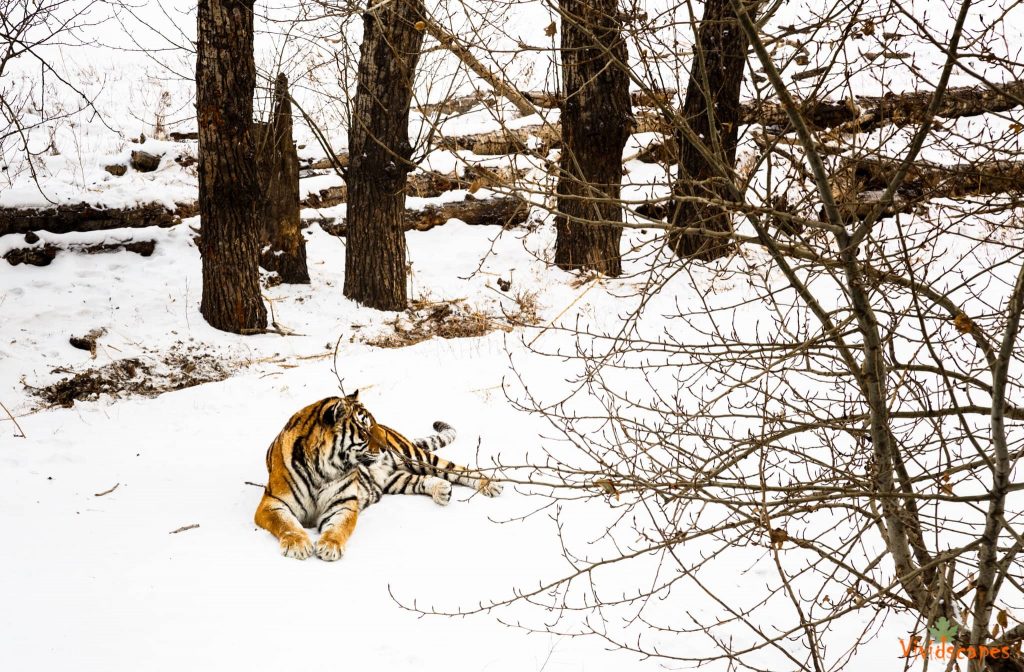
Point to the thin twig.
(15, 421)
(107, 492)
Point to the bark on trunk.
(379, 152)
(596, 122)
(282, 247)
(716, 76)
(228, 193)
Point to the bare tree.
(228, 188)
(838, 409)
(596, 121)
(380, 152)
(708, 136)
(31, 33)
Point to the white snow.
(97, 581)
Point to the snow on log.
(859, 183)
(933, 180)
(42, 255)
(860, 113)
(502, 211)
(84, 217)
(427, 184)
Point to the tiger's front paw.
(296, 545)
(329, 550)
(488, 488)
(441, 492)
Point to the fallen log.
(462, 52)
(859, 114)
(43, 255)
(865, 113)
(83, 217)
(859, 183)
(652, 98)
(504, 211)
(933, 180)
(423, 185)
(327, 164)
(535, 139)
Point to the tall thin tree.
(711, 111)
(596, 120)
(228, 192)
(379, 151)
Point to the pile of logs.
(860, 180)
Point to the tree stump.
(282, 247)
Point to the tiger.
(333, 459)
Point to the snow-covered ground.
(129, 542)
(101, 582)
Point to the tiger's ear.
(354, 396)
(333, 413)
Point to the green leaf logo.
(943, 630)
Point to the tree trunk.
(596, 120)
(228, 193)
(379, 152)
(282, 247)
(708, 153)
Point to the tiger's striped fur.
(332, 460)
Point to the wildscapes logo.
(938, 645)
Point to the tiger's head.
(356, 434)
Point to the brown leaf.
(963, 324)
(421, 25)
(777, 536)
(1002, 619)
(551, 29)
(608, 487)
(476, 185)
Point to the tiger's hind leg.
(431, 464)
(405, 483)
(274, 516)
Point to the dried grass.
(179, 368)
(456, 319)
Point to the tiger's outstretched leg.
(404, 483)
(426, 464)
(274, 516)
(340, 503)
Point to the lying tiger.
(332, 460)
